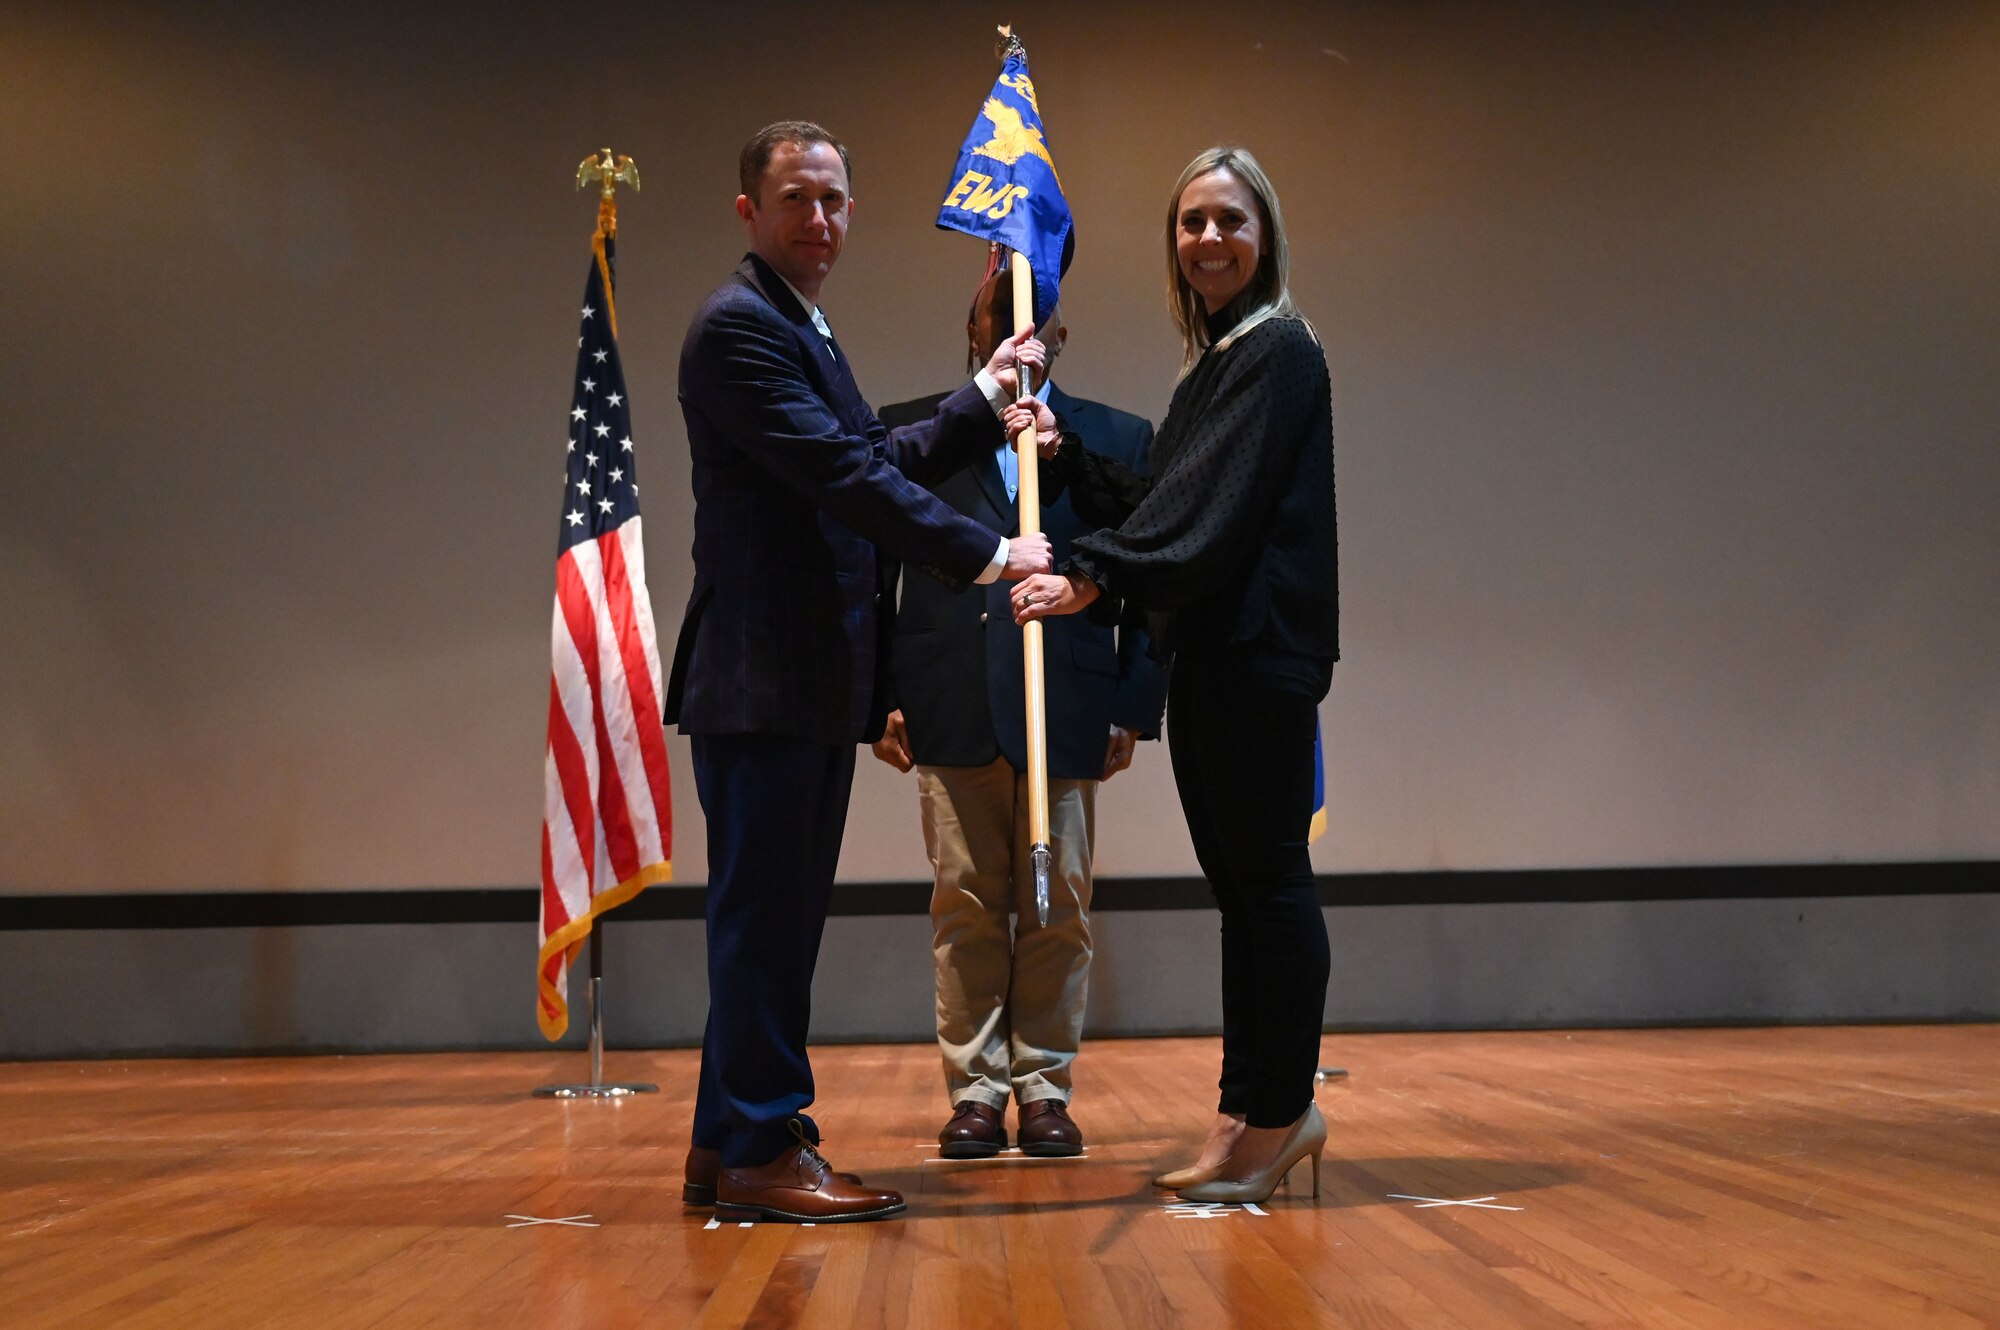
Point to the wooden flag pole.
(1026, 451)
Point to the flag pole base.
(1039, 857)
(596, 1089)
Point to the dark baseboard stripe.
(481, 905)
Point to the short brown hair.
(755, 159)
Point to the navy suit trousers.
(775, 809)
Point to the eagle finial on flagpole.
(608, 170)
(1009, 43)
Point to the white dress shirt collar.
(818, 319)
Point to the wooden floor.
(1675, 1178)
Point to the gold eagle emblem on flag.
(1013, 138)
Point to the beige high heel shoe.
(1306, 1140)
(1175, 1179)
(1185, 1177)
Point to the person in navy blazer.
(776, 672)
(1010, 998)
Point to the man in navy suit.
(1010, 1000)
(775, 675)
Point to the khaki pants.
(1009, 1000)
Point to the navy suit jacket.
(796, 485)
(955, 660)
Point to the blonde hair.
(1268, 294)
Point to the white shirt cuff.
(995, 566)
(996, 396)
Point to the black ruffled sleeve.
(1103, 492)
(1199, 525)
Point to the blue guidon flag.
(1317, 828)
(1005, 188)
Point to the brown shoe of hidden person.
(1047, 1131)
(800, 1187)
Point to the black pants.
(1243, 755)
(775, 808)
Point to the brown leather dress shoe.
(704, 1167)
(1046, 1130)
(698, 1176)
(976, 1131)
(799, 1187)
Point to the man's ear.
(744, 207)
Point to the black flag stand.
(596, 1089)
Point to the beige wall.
(1663, 341)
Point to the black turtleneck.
(1231, 545)
(1219, 323)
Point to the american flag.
(607, 827)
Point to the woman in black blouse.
(1230, 552)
